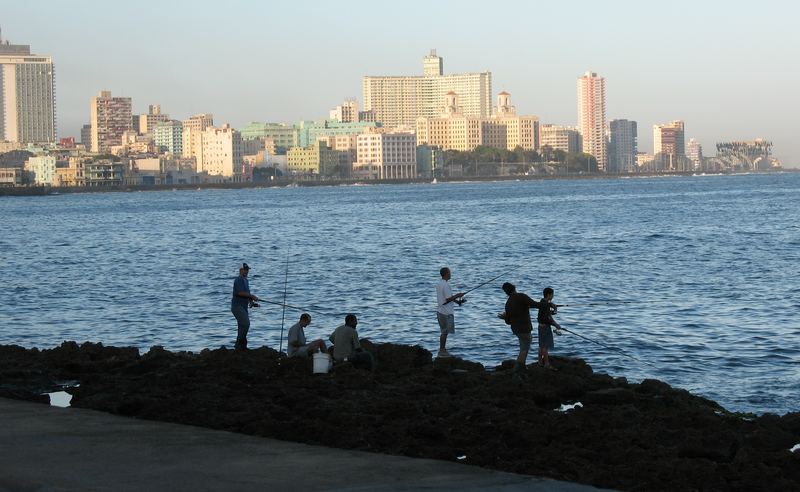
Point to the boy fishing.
(545, 319)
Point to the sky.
(729, 70)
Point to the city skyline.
(658, 69)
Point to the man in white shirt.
(445, 310)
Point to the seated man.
(297, 346)
(347, 347)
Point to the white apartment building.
(558, 137)
(192, 138)
(42, 169)
(694, 151)
(27, 95)
(400, 100)
(384, 155)
(592, 117)
(222, 152)
(110, 119)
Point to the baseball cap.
(245, 267)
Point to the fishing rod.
(283, 313)
(608, 347)
(300, 308)
(482, 284)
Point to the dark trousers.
(243, 323)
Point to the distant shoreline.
(284, 182)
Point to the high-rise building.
(110, 118)
(558, 137)
(192, 138)
(27, 95)
(622, 147)
(347, 112)
(694, 151)
(86, 136)
(154, 116)
(400, 100)
(168, 137)
(668, 146)
(592, 116)
(222, 152)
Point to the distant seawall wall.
(56, 190)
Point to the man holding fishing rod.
(445, 311)
(240, 301)
(518, 316)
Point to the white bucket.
(322, 362)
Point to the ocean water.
(692, 280)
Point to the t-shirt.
(297, 335)
(345, 342)
(443, 292)
(545, 315)
(518, 312)
(239, 285)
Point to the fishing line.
(484, 283)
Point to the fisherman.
(445, 311)
(347, 346)
(518, 316)
(545, 319)
(297, 346)
(241, 300)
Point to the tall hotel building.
(592, 117)
(27, 95)
(400, 100)
(622, 147)
(668, 145)
(110, 118)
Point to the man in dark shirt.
(240, 301)
(545, 319)
(518, 315)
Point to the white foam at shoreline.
(567, 407)
(60, 399)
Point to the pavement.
(46, 448)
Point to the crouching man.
(347, 347)
(297, 339)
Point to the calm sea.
(695, 279)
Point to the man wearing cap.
(518, 315)
(239, 303)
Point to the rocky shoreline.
(645, 436)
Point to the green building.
(284, 136)
(310, 131)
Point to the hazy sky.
(729, 69)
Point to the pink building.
(592, 117)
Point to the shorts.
(301, 351)
(447, 323)
(546, 337)
(524, 341)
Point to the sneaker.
(443, 354)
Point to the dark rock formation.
(646, 436)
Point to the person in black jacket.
(545, 319)
(518, 315)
